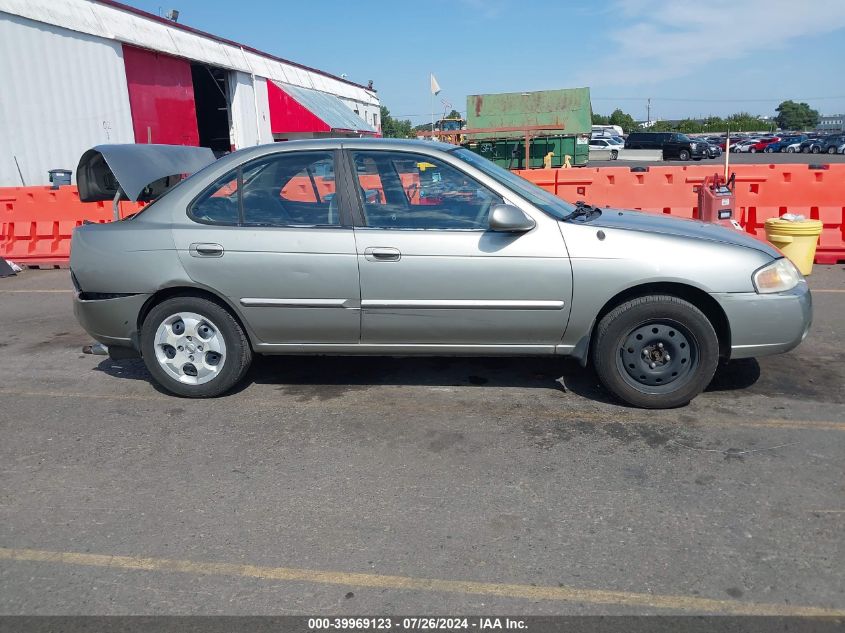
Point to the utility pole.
(648, 111)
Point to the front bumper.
(112, 322)
(764, 324)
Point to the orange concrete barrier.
(762, 192)
(36, 222)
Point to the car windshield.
(540, 198)
(683, 137)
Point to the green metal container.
(564, 119)
(510, 153)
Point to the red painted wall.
(161, 95)
(287, 115)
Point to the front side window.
(410, 191)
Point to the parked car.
(713, 150)
(811, 146)
(785, 142)
(830, 144)
(674, 145)
(255, 254)
(606, 144)
(763, 143)
(745, 146)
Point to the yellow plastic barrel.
(797, 240)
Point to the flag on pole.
(435, 87)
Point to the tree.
(454, 114)
(796, 116)
(600, 119)
(394, 128)
(623, 120)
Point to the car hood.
(679, 227)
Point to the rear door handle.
(198, 249)
(382, 254)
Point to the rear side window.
(286, 189)
(219, 203)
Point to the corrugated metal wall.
(95, 18)
(63, 92)
(249, 127)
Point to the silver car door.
(433, 276)
(270, 237)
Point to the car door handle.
(382, 254)
(205, 250)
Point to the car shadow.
(326, 376)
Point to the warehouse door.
(211, 96)
(161, 96)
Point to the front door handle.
(198, 249)
(382, 254)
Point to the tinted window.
(410, 191)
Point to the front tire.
(614, 154)
(683, 154)
(831, 150)
(655, 352)
(194, 347)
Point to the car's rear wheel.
(769, 150)
(805, 150)
(815, 149)
(831, 150)
(683, 154)
(194, 347)
(655, 352)
(790, 150)
(753, 150)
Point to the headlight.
(692, 145)
(779, 276)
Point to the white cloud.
(665, 40)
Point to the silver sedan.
(385, 247)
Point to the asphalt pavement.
(384, 485)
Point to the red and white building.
(79, 73)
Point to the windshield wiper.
(584, 210)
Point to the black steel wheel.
(655, 352)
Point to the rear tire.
(831, 150)
(194, 347)
(655, 352)
(790, 150)
(816, 149)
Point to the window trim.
(360, 217)
(344, 219)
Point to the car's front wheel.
(194, 347)
(684, 154)
(655, 352)
(614, 154)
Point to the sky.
(692, 58)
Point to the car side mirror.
(510, 219)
